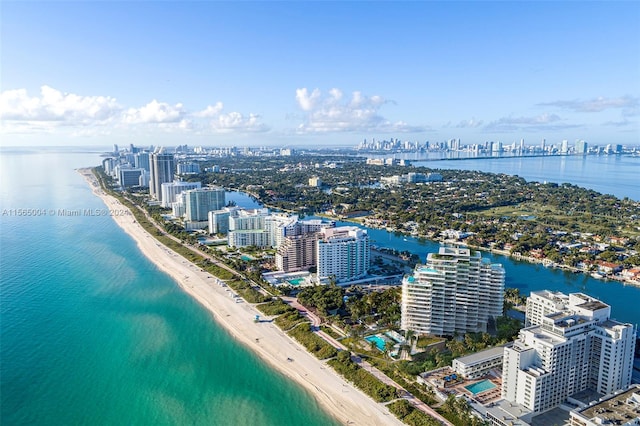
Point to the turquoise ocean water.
(93, 333)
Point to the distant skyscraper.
(141, 161)
(162, 168)
(455, 292)
(315, 181)
(581, 147)
(186, 168)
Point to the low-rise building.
(620, 409)
(479, 364)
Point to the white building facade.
(455, 292)
(574, 348)
(171, 189)
(344, 254)
(199, 202)
(247, 228)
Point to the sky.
(318, 73)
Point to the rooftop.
(593, 305)
(617, 409)
(483, 355)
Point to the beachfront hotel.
(162, 167)
(456, 291)
(199, 202)
(247, 228)
(298, 250)
(170, 191)
(344, 254)
(219, 220)
(572, 345)
(128, 176)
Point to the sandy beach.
(338, 397)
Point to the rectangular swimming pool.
(482, 386)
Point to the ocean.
(93, 333)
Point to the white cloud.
(55, 106)
(83, 116)
(210, 111)
(331, 113)
(597, 104)
(236, 122)
(155, 112)
(308, 101)
(537, 123)
(472, 123)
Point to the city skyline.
(309, 73)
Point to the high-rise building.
(581, 147)
(179, 207)
(247, 228)
(297, 253)
(344, 254)
(162, 168)
(188, 168)
(219, 220)
(455, 292)
(571, 345)
(199, 202)
(128, 176)
(171, 189)
(141, 161)
(298, 250)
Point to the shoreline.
(339, 398)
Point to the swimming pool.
(296, 281)
(378, 340)
(482, 386)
